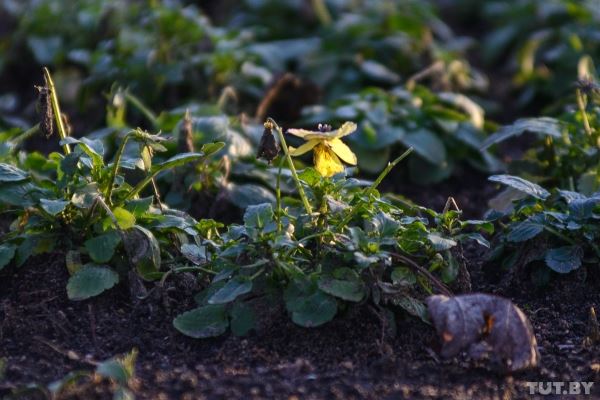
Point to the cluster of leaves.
(358, 247)
(544, 40)
(559, 227)
(119, 370)
(92, 210)
(150, 46)
(443, 128)
(566, 153)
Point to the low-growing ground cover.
(212, 203)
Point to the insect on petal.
(343, 151)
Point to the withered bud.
(185, 143)
(268, 148)
(587, 86)
(66, 123)
(45, 111)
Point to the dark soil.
(43, 336)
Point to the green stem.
(257, 274)
(581, 105)
(560, 235)
(301, 193)
(193, 269)
(388, 168)
(141, 185)
(322, 12)
(62, 133)
(115, 168)
(16, 142)
(374, 185)
(278, 197)
(143, 109)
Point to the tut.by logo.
(559, 388)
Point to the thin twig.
(423, 272)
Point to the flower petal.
(300, 132)
(342, 151)
(344, 130)
(326, 162)
(306, 147)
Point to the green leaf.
(349, 290)
(125, 219)
(309, 306)
(525, 230)
(243, 319)
(564, 259)
(210, 148)
(427, 145)
(90, 281)
(139, 206)
(53, 207)
(86, 196)
(22, 194)
(102, 248)
(144, 252)
(543, 125)
(196, 254)
(248, 194)
(315, 310)
(177, 161)
(258, 216)
(203, 322)
(440, 243)
(522, 185)
(7, 252)
(403, 276)
(120, 369)
(9, 173)
(231, 291)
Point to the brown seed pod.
(268, 148)
(185, 143)
(45, 111)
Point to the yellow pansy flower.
(327, 148)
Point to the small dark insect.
(45, 111)
(324, 128)
(268, 148)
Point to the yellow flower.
(327, 148)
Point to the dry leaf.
(484, 326)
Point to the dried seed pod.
(45, 111)
(185, 143)
(268, 148)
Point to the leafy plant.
(93, 211)
(541, 41)
(444, 129)
(347, 245)
(559, 228)
(565, 154)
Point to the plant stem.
(301, 193)
(374, 185)
(115, 168)
(388, 168)
(142, 108)
(581, 105)
(62, 133)
(278, 197)
(423, 272)
(322, 12)
(560, 235)
(16, 142)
